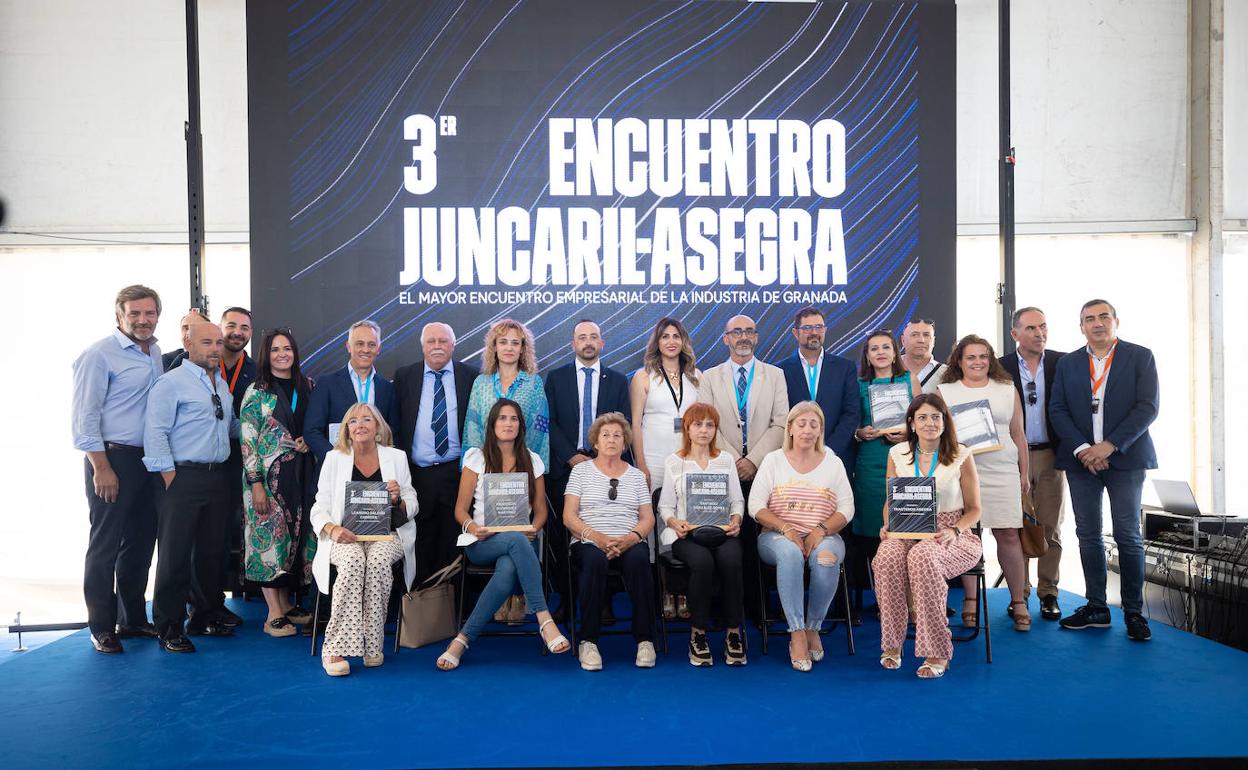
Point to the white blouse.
(474, 460)
(672, 497)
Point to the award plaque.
(912, 507)
(975, 426)
(506, 500)
(706, 499)
(367, 510)
(889, 402)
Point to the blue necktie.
(587, 406)
(742, 406)
(441, 439)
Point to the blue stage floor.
(1048, 695)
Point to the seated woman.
(361, 593)
(923, 566)
(608, 514)
(802, 498)
(698, 454)
(511, 553)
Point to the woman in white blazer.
(362, 590)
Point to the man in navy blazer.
(1104, 398)
(1034, 382)
(337, 391)
(569, 422)
(813, 374)
(429, 431)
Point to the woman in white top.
(660, 393)
(975, 374)
(361, 592)
(918, 569)
(802, 498)
(511, 552)
(608, 514)
(703, 550)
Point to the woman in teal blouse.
(879, 363)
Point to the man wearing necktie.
(814, 374)
(433, 398)
(577, 392)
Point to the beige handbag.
(1034, 543)
(429, 611)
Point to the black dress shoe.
(212, 628)
(141, 631)
(177, 644)
(1049, 610)
(226, 618)
(107, 643)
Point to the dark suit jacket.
(836, 394)
(172, 359)
(245, 378)
(331, 398)
(1131, 404)
(409, 382)
(1051, 357)
(563, 394)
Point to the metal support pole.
(1005, 183)
(194, 158)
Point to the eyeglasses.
(614, 491)
(742, 332)
(807, 328)
(216, 401)
(1031, 393)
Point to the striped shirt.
(802, 499)
(598, 510)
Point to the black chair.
(766, 624)
(981, 604)
(396, 598)
(483, 573)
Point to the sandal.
(449, 661)
(816, 655)
(501, 615)
(1022, 620)
(515, 616)
(970, 619)
(799, 664)
(932, 670)
(682, 608)
(891, 659)
(554, 645)
(669, 607)
(298, 615)
(280, 626)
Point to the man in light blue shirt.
(111, 383)
(186, 438)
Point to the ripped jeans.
(825, 572)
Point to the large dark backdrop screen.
(551, 160)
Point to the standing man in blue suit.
(813, 374)
(337, 391)
(577, 392)
(1104, 399)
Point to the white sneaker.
(645, 655)
(591, 659)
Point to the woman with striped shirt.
(608, 515)
(802, 498)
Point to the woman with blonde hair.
(361, 592)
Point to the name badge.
(676, 424)
(1096, 405)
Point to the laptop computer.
(1176, 497)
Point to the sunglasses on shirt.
(1031, 394)
(614, 491)
(216, 402)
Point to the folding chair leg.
(762, 605)
(316, 616)
(662, 592)
(983, 591)
(849, 613)
(398, 625)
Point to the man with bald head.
(186, 439)
(174, 357)
(433, 401)
(577, 392)
(753, 402)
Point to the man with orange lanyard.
(237, 370)
(1104, 398)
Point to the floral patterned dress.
(268, 432)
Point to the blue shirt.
(1034, 424)
(111, 383)
(182, 424)
(365, 389)
(422, 447)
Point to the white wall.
(1235, 96)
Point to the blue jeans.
(513, 555)
(1124, 489)
(778, 550)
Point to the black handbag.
(709, 536)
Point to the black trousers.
(634, 563)
(704, 565)
(119, 546)
(232, 537)
(436, 530)
(193, 513)
(557, 537)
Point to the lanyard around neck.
(812, 377)
(1097, 382)
(744, 398)
(365, 385)
(238, 369)
(676, 399)
(930, 471)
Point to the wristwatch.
(957, 531)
